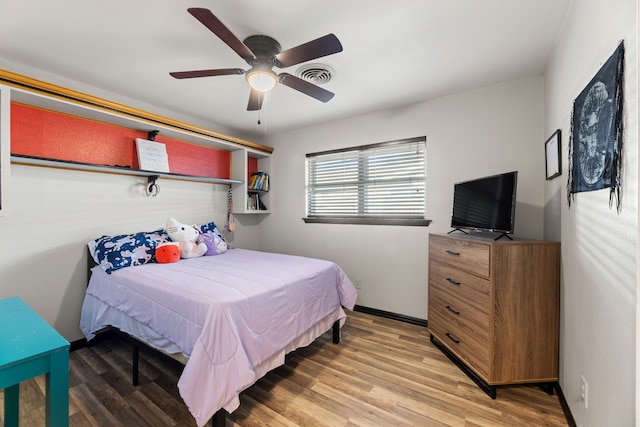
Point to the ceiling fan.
(263, 53)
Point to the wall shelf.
(87, 167)
(18, 89)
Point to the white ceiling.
(395, 52)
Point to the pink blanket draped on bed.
(228, 313)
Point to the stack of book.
(258, 181)
(254, 203)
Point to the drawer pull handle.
(453, 282)
(457, 313)
(457, 341)
(453, 253)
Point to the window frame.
(366, 219)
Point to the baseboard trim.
(82, 343)
(78, 344)
(565, 407)
(390, 315)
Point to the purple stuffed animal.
(215, 243)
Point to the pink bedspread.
(228, 313)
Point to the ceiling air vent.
(317, 74)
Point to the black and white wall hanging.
(595, 142)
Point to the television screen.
(486, 203)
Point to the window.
(373, 184)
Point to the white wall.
(55, 212)
(599, 246)
(482, 132)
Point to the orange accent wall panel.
(44, 133)
(252, 166)
(192, 159)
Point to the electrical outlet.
(584, 392)
(358, 284)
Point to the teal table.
(30, 347)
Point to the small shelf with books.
(258, 181)
(252, 196)
(254, 202)
(257, 187)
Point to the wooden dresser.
(494, 308)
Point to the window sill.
(418, 222)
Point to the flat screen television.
(485, 204)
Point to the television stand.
(498, 237)
(503, 235)
(458, 229)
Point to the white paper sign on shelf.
(152, 156)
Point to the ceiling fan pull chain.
(264, 108)
(265, 103)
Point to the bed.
(231, 317)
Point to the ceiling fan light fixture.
(262, 53)
(262, 80)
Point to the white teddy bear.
(186, 237)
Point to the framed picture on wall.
(552, 155)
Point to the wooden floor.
(384, 373)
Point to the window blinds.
(385, 180)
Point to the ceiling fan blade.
(209, 20)
(305, 87)
(206, 73)
(255, 100)
(323, 46)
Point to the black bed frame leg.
(136, 357)
(336, 332)
(219, 419)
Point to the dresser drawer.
(472, 290)
(465, 318)
(466, 255)
(469, 348)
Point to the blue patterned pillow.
(204, 228)
(115, 252)
(211, 228)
